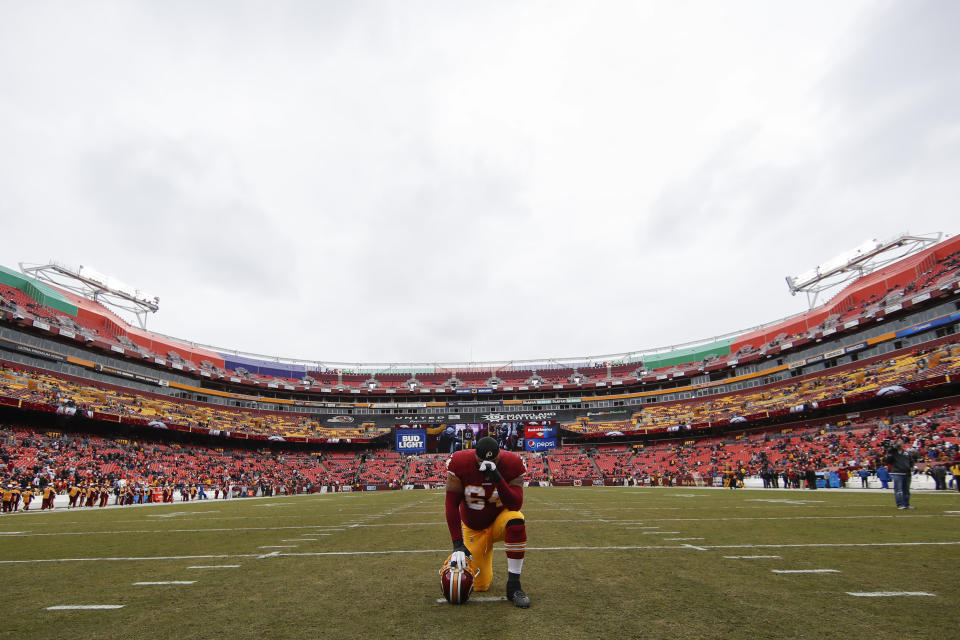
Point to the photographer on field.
(901, 469)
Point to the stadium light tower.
(96, 286)
(868, 257)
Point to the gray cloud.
(896, 97)
(731, 199)
(185, 200)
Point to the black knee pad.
(515, 521)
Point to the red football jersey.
(481, 505)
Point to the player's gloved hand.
(460, 555)
(489, 469)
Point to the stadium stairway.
(595, 467)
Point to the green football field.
(601, 562)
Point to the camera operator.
(901, 468)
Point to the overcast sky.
(452, 181)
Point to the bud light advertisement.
(411, 440)
(531, 444)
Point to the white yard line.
(657, 533)
(144, 584)
(746, 518)
(477, 599)
(272, 516)
(629, 548)
(447, 550)
(619, 522)
(137, 559)
(215, 566)
(888, 594)
(312, 529)
(784, 501)
(72, 607)
(751, 557)
(804, 571)
(832, 544)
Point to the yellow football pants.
(480, 542)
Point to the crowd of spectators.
(71, 396)
(786, 457)
(95, 469)
(133, 471)
(150, 472)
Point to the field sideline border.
(61, 502)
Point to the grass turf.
(602, 562)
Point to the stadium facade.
(912, 301)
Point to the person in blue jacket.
(883, 475)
